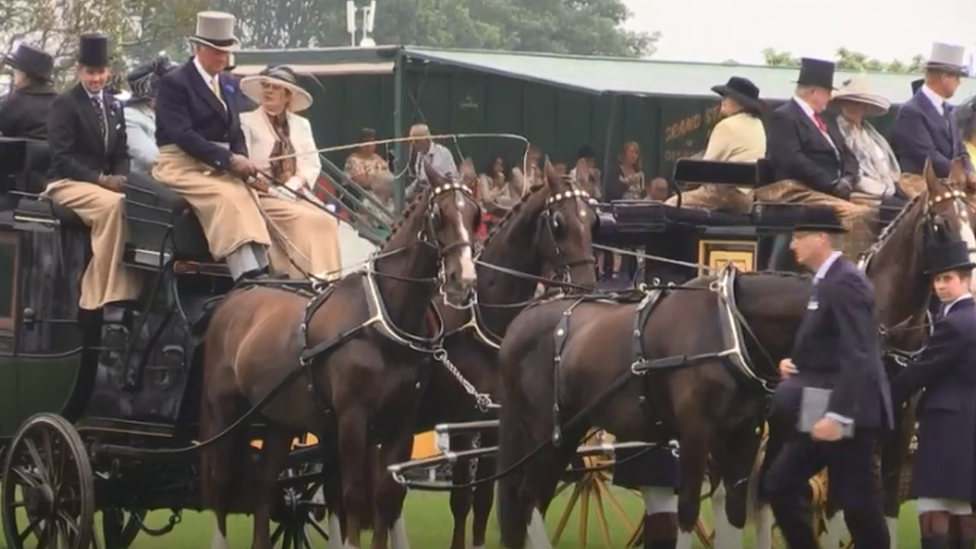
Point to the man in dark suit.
(837, 348)
(23, 113)
(89, 166)
(806, 146)
(944, 471)
(925, 128)
(202, 152)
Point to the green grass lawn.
(429, 525)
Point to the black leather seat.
(46, 210)
(161, 220)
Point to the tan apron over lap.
(715, 197)
(223, 203)
(106, 279)
(859, 214)
(309, 237)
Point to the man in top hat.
(739, 137)
(202, 151)
(944, 469)
(89, 166)
(805, 145)
(140, 112)
(838, 349)
(925, 128)
(23, 113)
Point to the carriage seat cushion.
(159, 217)
(45, 208)
(143, 190)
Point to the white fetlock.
(764, 528)
(537, 536)
(685, 539)
(335, 532)
(836, 531)
(726, 535)
(218, 541)
(892, 531)
(399, 534)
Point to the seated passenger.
(425, 151)
(630, 172)
(924, 126)
(522, 182)
(495, 191)
(586, 174)
(813, 163)
(305, 240)
(202, 151)
(23, 113)
(371, 172)
(140, 112)
(89, 165)
(966, 119)
(879, 173)
(738, 137)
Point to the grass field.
(429, 525)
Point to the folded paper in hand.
(813, 408)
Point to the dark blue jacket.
(189, 116)
(838, 347)
(921, 132)
(946, 370)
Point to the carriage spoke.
(278, 532)
(37, 460)
(31, 528)
(601, 517)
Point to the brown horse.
(339, 362)
(676, 357)
(551, 227)
(895, 265)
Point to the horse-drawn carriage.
(90, 404)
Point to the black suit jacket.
(190, 116)
(78, 151)
(799, 150)
(838, 347)
(23, 113)
(921, 133)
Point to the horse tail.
(516, 499)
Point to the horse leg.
(389, 494)
(460, 499)
(220, 461)
(737, 459)
(484, 493)
(274, 458)
(693, 461)
(352, 422)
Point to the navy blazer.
(78, 151)
(800, 151)
(946, 367)
(921, 133)
(838, 347)
(189, 116)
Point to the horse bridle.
(557, 227)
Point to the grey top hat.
(947, 58)
(215, 29)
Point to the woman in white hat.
(879, 169)
(281, 144)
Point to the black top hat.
(744, 92)
(816, 72)
(93, 51)
(917, 85)
(950, 256)
(819, 219)
(32, 61)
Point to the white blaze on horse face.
(468, 275)
(966, 235)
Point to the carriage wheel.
(120, 527)
(48, 490)
(593, 487)
(298, 513)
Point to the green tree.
(583, 27)
(848, 60)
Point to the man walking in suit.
(925, 128)
(202, 151)
(944, 474)
(89, 166)
(837, 349)
(24, 112)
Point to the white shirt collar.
(947, 306)
(822, 271)
(804, 105)
(937, 101)
(207, 77)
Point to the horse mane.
(407, 213)
(513, 212)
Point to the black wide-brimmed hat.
(816, 72)
(951, 256)
(144, 79)
(819, 219)
(30, 60)
(744, 92)
(93, 51)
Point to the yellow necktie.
(215, 86)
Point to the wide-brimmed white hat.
(858, 90)
(216, 30)
(280, 76)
